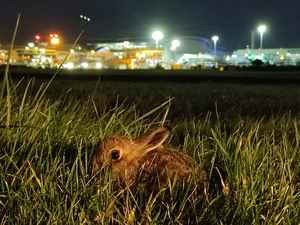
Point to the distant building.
(272, 56)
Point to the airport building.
(188, 52)
(274, 56)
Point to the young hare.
(144, 162)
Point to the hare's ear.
(153, 138)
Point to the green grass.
(246, 138)
(251, 162)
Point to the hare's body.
(144, 161)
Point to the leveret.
(145, 162)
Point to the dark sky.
(231, 20)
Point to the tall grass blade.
(6, 78)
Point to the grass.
(252, 164)
(250, 154)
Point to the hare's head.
(123, 154)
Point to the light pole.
(157, 35)
(175, 44)
(261, 29)
(215, 38)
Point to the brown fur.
(144, 161)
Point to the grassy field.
(244, 135)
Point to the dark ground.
(179, 76)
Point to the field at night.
(241, 127)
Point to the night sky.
(231, 20)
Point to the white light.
(126, 43)
(234, 56)
(261, 29)
(157, 35)
(175, 43)
(98, 65)
(31, 45)
(84, 65)
(42, 50)
(215, 38)
(70, 65)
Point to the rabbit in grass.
(144, 162)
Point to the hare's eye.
(115, 154)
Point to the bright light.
(175, 43)
(215, 38)
(98, 65)
(26, 48)
(36, 48)
(92, 51)
(42, 50)
(70, 65)
(84, 65)
(54, 40)
(173, 48)
(261, 29)
(138, 54)
(31, 45)
(157, 35)
(126, 44)
(37, 37)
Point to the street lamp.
(261, 29)
(175, 44)
(54, 39)
(215, 38)
(157, 35)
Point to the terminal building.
(272, 56)
(190, 52)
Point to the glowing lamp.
(175, 43)
(261, 29)
(157, 35)
(54, 41)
